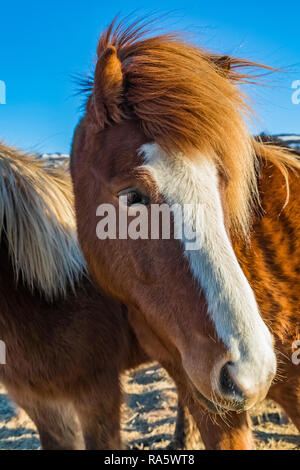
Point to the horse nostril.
(227, 384)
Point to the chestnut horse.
(66, 342)
(164, 123)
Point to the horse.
(164, 124)
(66, 341)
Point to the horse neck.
(270, 260)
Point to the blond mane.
(37, 219)
(186, 98)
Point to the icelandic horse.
(164, 123)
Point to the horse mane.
(187, 100)
(38, 222)
(285, 159)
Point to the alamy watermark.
(2, 352)
(2, 92)
(151, 222)
(296, 93)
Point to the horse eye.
(133, 196)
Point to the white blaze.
(230, 299)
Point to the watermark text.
(296, 353)
(2, 92)
(151, 222)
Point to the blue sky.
(43, 43)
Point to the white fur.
(231, 302)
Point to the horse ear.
(108, 87)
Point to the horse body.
(55, 346)
(66, 344)
(271, 263)
(270, 260)
(164, 124)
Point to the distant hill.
(54, 159)
(290, 140)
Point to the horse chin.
(212, 407)
(205, 402)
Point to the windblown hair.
(187, 99)
(38, 222)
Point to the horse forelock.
(38, 222)
(185, 102)
(186, 99)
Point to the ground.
(149, 417)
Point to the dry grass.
(149, 417)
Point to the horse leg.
(186, 434)
(287, 395)
(100, 419)
(56, 424)
(179, 438)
